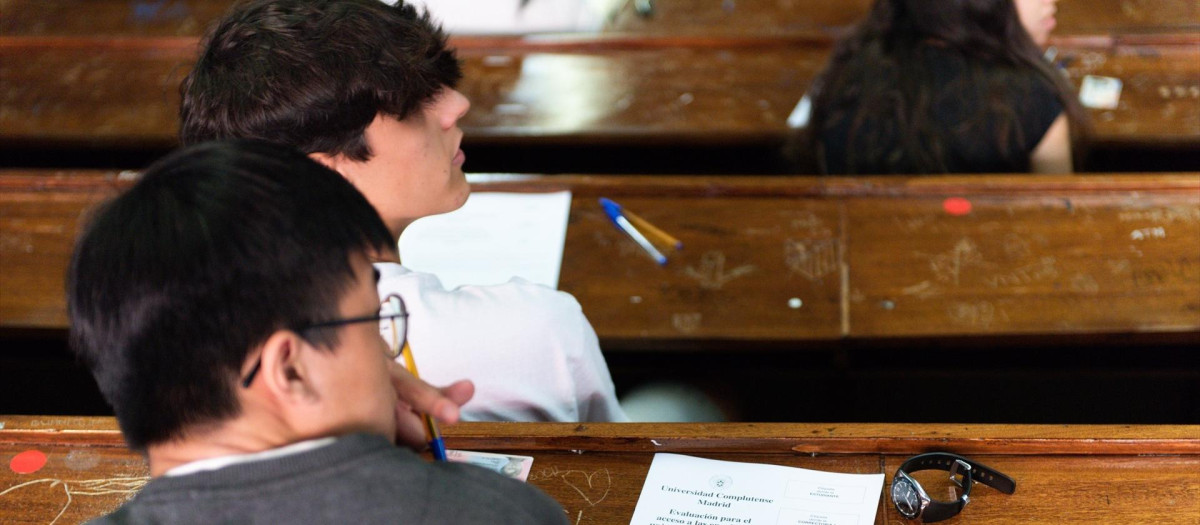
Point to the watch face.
(904, 495)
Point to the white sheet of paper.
(1099, 92)
(685, 490)
(491, 239)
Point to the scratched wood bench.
(1076, 298)
(1139, 20)
(126, 96)
(791, 258)
(1065, 474)
(817, 20)
(611, 102)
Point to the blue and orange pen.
(436, 445)
(629, 223)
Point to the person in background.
(930, 86)
(1037, 17)
(226, 306)
(367, 89)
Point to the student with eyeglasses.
(226, 306)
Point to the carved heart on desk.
(593, 487)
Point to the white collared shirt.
(221, 462)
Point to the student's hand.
(417, 397)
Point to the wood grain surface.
(1128, 474)
(770, 259)
(127, 96)
(105, 73)
(819, 19)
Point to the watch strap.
(945, 460)
(942, 510)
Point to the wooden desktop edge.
(88, 180)
(94, 185)
(616, 40)
(765, 438)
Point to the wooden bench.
(1076, 298)
(109, 80)
(815, 19)
(126, 96)
(792, 259)
(1140, 20)
(1065, 474)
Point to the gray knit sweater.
(358, 479)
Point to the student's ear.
(286, 370)
(338, 162)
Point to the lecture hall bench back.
(816, 19)
(107, 76)
(126, 96)
(1066, 474)
(787, 259)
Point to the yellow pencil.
(644, 225)
(435, 438)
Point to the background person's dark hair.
(313, 74)
(174, 282)
(876, 77)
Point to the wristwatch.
(913, 502)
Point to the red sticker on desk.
(28, 462)
(957, 206)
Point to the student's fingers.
(458, 392)
(423, 398)
(411, 391)
(416, 397)
(410, 430)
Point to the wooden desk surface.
(1065, 474)
(125, 94)
(813, 19)
(789, 259)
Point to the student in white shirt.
(367, 89)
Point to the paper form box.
(808, 517)
(824, 492)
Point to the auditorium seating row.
(693, 75)
(1065, 474)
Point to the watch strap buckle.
(960, 473)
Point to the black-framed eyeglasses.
(913, 502)
(393, 328)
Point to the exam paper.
(683, 490)
(491, 239)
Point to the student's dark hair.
(312, 74)
(174, 282)
(877, 74)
